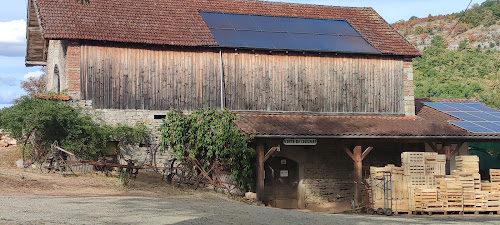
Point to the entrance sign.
(283, 173)
(300, 142)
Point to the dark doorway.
(281, 182)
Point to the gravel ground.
(140, 210)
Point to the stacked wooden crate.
(495, 176)
(398, 187)
(421, 185)
(426, 199)
(492, 200)
(467, 163)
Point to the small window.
(159, 117)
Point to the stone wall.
(56, 58)
(409, 88)
(151, 118)
(63, 67)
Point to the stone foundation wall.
(150, 118)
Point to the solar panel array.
(475, 117)
(285, 33)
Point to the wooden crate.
(435, 158)
(425, 197)
(435, 168)
(467, 163)
(413, 158)
(414, 169)
(495, 175)
(489, 186)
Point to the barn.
(327, 91)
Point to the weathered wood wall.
(155, 79)
(36, 46)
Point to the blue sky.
(13, 25)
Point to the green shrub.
(46, 121)
(211, 136)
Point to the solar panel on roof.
(476, 117)
(489, 125)
(285, 33)
(465, 116)
(486, 116)
(472, 127)
(440, 106)
(481, 107)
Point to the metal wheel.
(388, 212)
(380, 211)
(370, 211)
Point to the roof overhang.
(36, 45)
(465, 138)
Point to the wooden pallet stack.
(398, 187)
(422, 167)
(492, 198)
(421, 185)
(426, 199)
(468, 163)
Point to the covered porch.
(320, 162)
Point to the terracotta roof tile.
(177, 22)
(428, 122)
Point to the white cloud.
(13, 31)
(9, 80)
(7, 96)
(32, 74)
(13, 38)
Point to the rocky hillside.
(479, 26)
(460, 53)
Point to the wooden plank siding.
(189, 79)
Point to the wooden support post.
(357, 156)
(447, 152)
(260, 170)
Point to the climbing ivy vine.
(210, 136)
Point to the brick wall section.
(73, 56)
(409, 89)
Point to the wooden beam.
(260, 170)
(434, 147)
(366, 152)
(349, 153)
(270, 152)
(35, 63)
(457, 148)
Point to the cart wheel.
(169, 179)
(363, 209)
(370, 211)
(388, 212)
(380, 211)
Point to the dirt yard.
(31, 182)
(30, 197)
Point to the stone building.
(317, 85)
